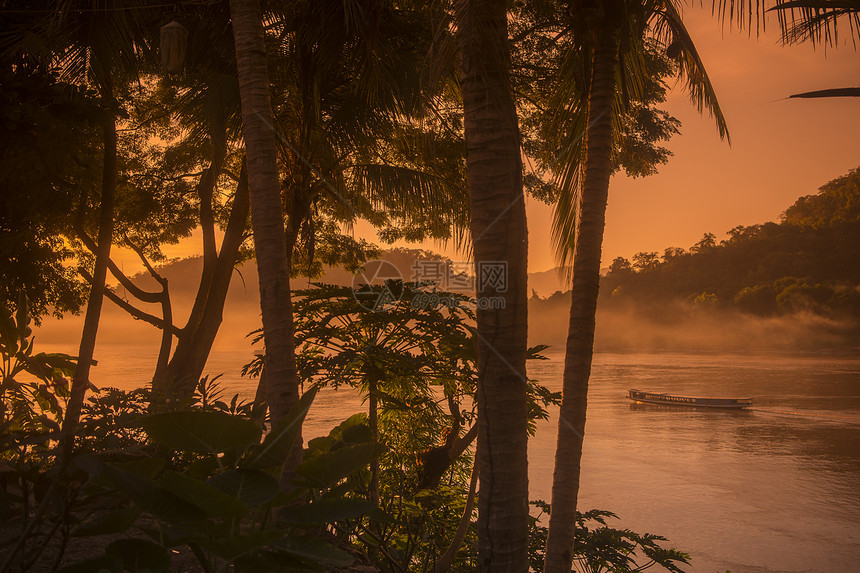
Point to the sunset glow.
(218, 352)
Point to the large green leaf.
(148, 467)
(174, 535)
(204, 467)
(214, 501)
(111, 522)
(315, 550)
(271, 562)
(278, 444)
(149, 495)
(8, 331)
(253, 487)
(357, 430)
(5, 505)
(103, 564)
(140, 556)
(326, 510)
(328, 468)
(230, 548)
(201, 432)
(48, 365)
(353, 430)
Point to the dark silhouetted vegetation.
(134, 124)
(808, 262)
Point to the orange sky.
(781, 149)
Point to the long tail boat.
(655, 398)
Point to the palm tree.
(97, 48)
(606, 44)
(267, 218)
(499, 239)
(347, 94)
(347, 111)
(814, 21)
(354, 142)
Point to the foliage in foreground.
(599, 548)
(197, 488)
(224, 504)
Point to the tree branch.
(139, 251)
(136, 291)
(230, 174)
(178, 177)
(447, 559)
(135, 312)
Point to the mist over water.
(683, 328)
(773, 489)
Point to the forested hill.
(810, 260)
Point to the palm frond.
(668, 28)
(411, 196)
(745, 14)
(817, 21)
(99, 44)
(833, 92)
(567, 167)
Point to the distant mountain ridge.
(785, 286)
(183, 275)
(808, 261)
(788, 285)
(792, 285)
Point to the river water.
(772, 489)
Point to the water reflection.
(773, 488)
(641, 407)
(770, 489)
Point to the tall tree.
(45, 118)
(350, 146)
(153, 201)
(606, 45)
(96, 48)
(351, 107)
(205, 103)
(499, 239)
(267, 220)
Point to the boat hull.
(688, 401)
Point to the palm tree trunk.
(267, 218)
(81, 378)
(586, 280)
(500, 241)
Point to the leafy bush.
(228, 508)
(599, 548)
